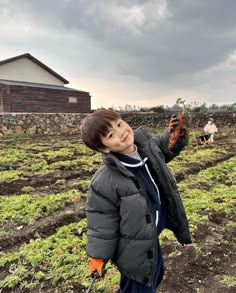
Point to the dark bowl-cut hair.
(96, 125)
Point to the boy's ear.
(104, 150)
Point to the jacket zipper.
(142, 191)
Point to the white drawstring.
(158, 193)
(140, 164)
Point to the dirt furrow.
(43, 181)
(44, 227)
(196, 167)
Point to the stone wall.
(198, 120)
(68, 123)
(40, 124)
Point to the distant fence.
(69, 123)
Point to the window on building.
(72, 100)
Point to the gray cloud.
(154, 40)
(157, 39)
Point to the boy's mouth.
(125, 138)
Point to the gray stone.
(19, 129)
(4, 128)
(31, 130)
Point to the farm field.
(43, 185)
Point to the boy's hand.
(173, 122)
(97, 266)
(177, 129)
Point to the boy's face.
(120, 138)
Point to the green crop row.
(25, 208)
(220, 195)
(36, 166)
(60, 259)
(188, 156)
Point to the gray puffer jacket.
(119, 211)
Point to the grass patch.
(199, 203)
(60, 258)
(52, 154)
(10, 175)
(229, 281)
(187, 156)
(30, 163)
(11, 155)
(25, 208)
(219, 197)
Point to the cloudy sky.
(142, 53)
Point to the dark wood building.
(28, 85)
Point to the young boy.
(132, 198)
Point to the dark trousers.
(130, 286)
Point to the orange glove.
(177, 129)
(97, 266)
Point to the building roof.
(38, 85)
(29, 56)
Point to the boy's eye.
(110, 135)
(119, 124)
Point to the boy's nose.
(120, 133)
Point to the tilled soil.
(199, 268)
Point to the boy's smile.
(120, 138)
(126, 137)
